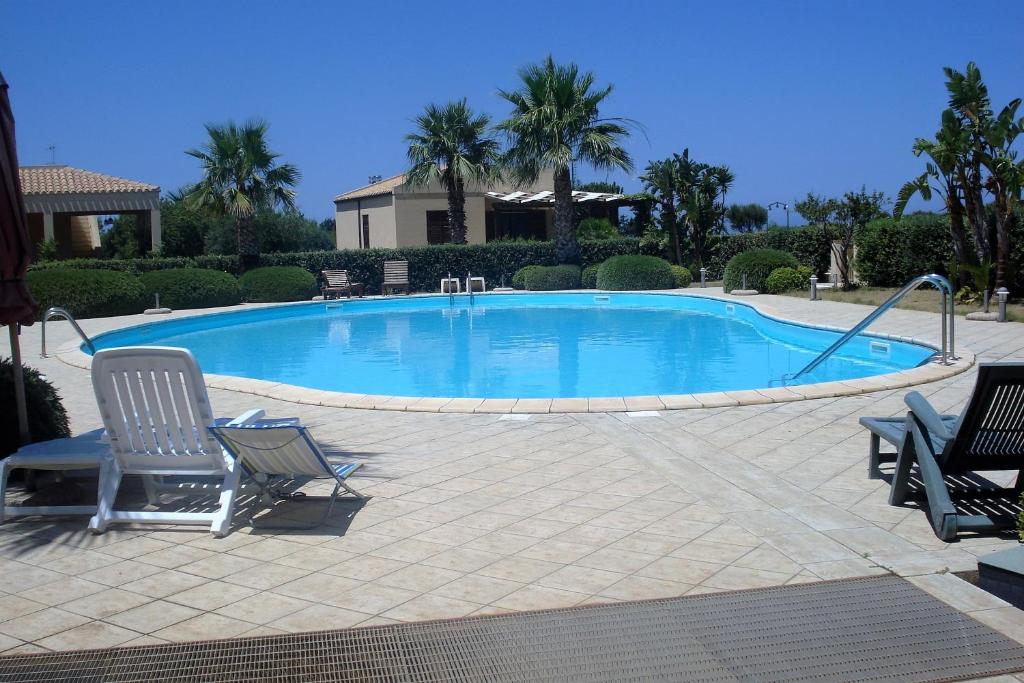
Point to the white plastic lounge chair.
(156, 412)
(273, 454)
(83, 452)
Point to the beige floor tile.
(210, 595)
(165, 583)
(121, 573)
(21, 578)
(219, 566)
(580, 579)
(153, 616)
(89, 636)
(204, 627)
(313, 559)
(419, 578)
(539, 597)
(431, 606)
(7, 643)
(263, 608)
(12, 606)
(134, 547)
(267, 549)
(738, 578)
(373, 598)
(682, 571)
(409, 550)
(561, 552)
(175, 556)
(520, 569)
(366, 567)
(106, 603)
(317, 588)
(645, 588)
(80, 562)
(317, 618)
(477, 588)
(462, 560)
(40, 624)
(706, 551)
(60, 592)
(265, 576)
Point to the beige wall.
(411, 215)
(381, 211)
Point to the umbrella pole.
(19, 385)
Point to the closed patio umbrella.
(17, 307)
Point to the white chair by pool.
(273, 454)
(156, 412)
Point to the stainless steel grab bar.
(55, 311)
(940, 283)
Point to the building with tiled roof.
(64, 203)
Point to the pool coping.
(72, 354)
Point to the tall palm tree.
(242, 177)
(555, 123)
(451, 146)
(659, 179)
(724, 178)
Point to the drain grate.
(876, 629)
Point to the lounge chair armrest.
(247, 417)
(924, 412)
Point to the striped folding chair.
(272, 454)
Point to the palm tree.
(724, 178)
(451, 146)
(241, 177)
(659, 179)
(555, 123)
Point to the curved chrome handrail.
(55, 311)
(940, 283)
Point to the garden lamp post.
(776, 205)
(1001, 294)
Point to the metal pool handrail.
(58, 311)
(938, 281)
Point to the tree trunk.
(567, 249)
(668, 219)
(248, 245)
(956, 231)
(457, 211)
(1004, 221)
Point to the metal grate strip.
(873, 629)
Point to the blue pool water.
(522, 345)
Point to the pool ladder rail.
(947, 314)
(58, 311)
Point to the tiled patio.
(477, 513)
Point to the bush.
(277, 283)
(191, 288)
(757, 264)
(596, 229)
(588, 278)
(87, 293)
(519, 279)
(550, 278)
(811, 245)
(890, 252)
(682, 276)
(625, 273)
(47, 418)
(785, 279)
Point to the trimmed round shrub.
(785, 279)
(588, 278)
(625, 273)
(277, 283)
(87, 293)
(757, 264)
(191, 288)
(550, 278)
(47, 418)
(682, 276)
(519, 279)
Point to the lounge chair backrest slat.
(337, 278)
(396, 272)
(992, 428)
(155, 409)
(283, 450)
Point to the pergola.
(548, 197)
(57, 197)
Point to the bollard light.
(814, 288)
(703, 277)
(1001, 294)
(984, 300)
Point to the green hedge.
(519, 278)
(810, 245)
(786, 279)
(277, 283)
(682, 276)
(588, 278)
(890, 252)
(626, 273)
(181, 288)
(551, 278)
(757, 264)
(47, 418)
(87, 293)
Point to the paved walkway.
(479, 514)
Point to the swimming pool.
(518, 346)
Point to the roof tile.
(36, 180)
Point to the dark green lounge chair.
(989, 436)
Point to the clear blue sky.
(795, 96)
